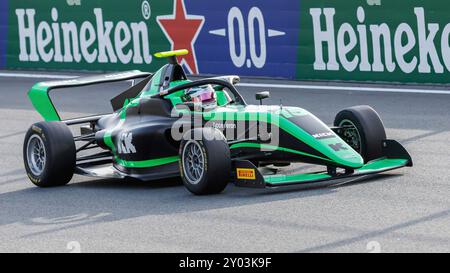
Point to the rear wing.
(39, 93)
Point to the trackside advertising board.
(375, 40)
(3, 31)
(358, 40)
(241, 37)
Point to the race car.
(203, 131)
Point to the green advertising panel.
(374, 40)
(89, 35)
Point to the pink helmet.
(205, 95)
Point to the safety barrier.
(356, 40)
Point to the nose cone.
(312, 131)
(356, 161)
(340, 152)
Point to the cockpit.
(171, 83)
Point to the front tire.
(363, 129)
(49, 154)
(205, 163)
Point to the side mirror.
(262, 95)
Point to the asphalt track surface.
(406, 210)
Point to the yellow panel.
(244, 173)
(171, 53)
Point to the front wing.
(248, 175)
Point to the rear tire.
(49, 154)
(205, 163)
(365, 130)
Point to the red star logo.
(182, 30)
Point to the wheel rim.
(36, 155)
(193, 162)
(351, 134)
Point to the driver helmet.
(204, 95)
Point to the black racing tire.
(211, 160)
(54, 141)
(369, 127)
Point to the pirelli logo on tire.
(246, 173)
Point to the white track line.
(264, 85)
(348, 88)
(36, 76)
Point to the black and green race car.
(159, 128)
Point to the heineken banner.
(242, 37)
(358, 40)
(375, 40)
(3, 31)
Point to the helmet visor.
(203, 96)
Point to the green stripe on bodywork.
(40, 98)
(107, 137)
(147, 163)
(41, 101)
(272, 147)
(353, 159)
(221, 98)
(322, 146)
(175, 98)
(128, 104)
(382, 164)
(295, 178)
